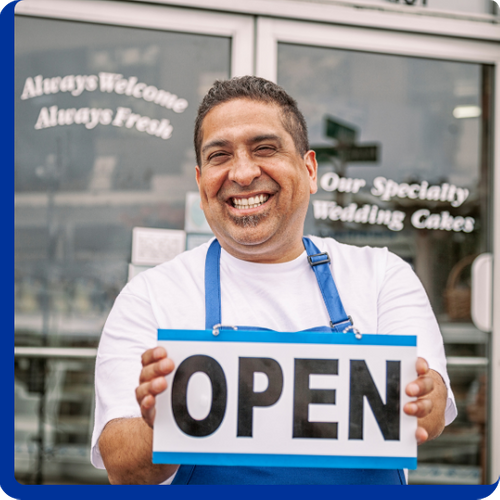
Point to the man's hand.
(125, 444)
(431, 394)
(155, 366)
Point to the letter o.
(149, 93)
(329, 181)
(187, 424)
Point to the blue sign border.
(272, 460)
(270, 336)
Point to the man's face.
(253, 183)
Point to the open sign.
(286, 399)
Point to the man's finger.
(422, 435)
(420, 387)
(151, 388)
(158, 369)
(152, 355)
(420, 408)
(421, 366)
(148, 410)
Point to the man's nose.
(244, 170)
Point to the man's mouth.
(250, 202)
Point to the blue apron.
(339, 323)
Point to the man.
(255, 175)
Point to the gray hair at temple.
(256, 89)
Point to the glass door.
(106, 96)
(402, 128)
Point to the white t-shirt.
(378, 290)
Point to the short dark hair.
(256, 89)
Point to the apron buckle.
(323, 258)
(218, 326)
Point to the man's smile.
(249, 202)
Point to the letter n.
(386, 415)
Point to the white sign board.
(303, 399)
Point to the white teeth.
(252, 202)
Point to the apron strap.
(212, 286)
(320, 264)
(339, 321)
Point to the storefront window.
(104, 121)
(403, 149)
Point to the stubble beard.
(249, 220)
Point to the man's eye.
(219, 156)
(266, 150)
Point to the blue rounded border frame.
(7, 481)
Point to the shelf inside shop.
(63, 325)
(462, 333)
(467, 361)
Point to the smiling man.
(255, 175)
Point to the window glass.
(403, 146)
(104, 123)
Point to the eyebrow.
(221, 143)
(216, 143)
(265, 137)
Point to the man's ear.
(198, 175)
(312, 170)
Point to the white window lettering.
(82, 116)
(378, 186)
(142, 123)
(149, 93)
(91, 83)
(80, 85)
(416, 218)
(121, 115)
(180, 105)
(29, 89)
(43, 119)
(153, 127)
(121, 86)
(329, 181)
(107, 81)
(68, 83)
(94, 118)
(137, 92)
(106, 116)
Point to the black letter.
(211, 422)
(247, 398)
(386, 415)
(303, 397)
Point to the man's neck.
(266, 254)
